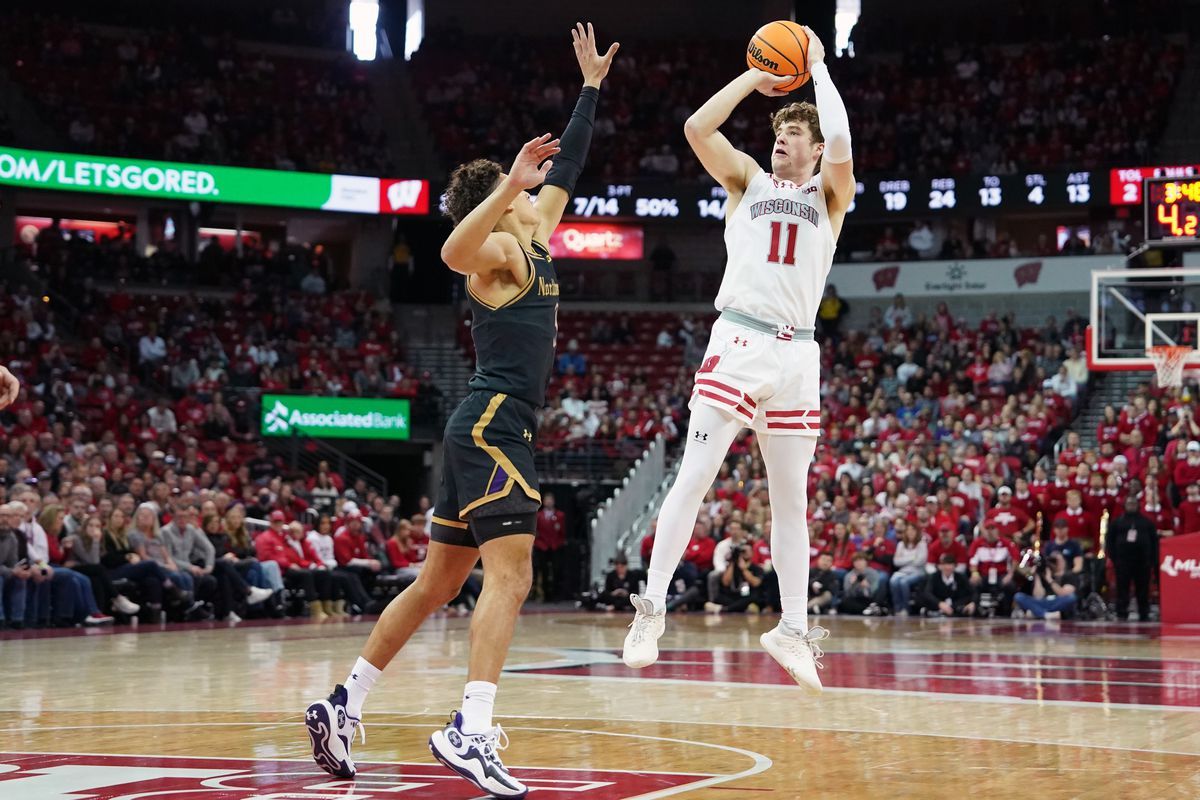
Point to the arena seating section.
(978, 109)
(134, 92)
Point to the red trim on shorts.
(804, 426)
(815, 412)
(731, 403)
(723, 387)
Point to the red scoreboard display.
(1172, 210)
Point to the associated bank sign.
(335, 417)
(164, 180)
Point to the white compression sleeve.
(710, 433)
(788, 459)
(835, 124)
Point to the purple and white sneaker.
(474, 757)
(331, 730)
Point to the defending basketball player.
(762, 366)
(489, 497)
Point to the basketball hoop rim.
(1169, 362)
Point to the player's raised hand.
(816, 50)
(10, 387)
(768, 83)
(593, 65)
(528, 170)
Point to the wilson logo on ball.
(756, 53)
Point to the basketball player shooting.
(762, 368)
(488, 502)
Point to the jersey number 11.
(788, 257)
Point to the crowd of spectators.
(176, 93)
(927, 419)
(159, 367)
(135, 537)
(938, 488)
(937, 110)
(139, 409)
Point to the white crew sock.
(360, 681)
(479, 698)
(656, 588)
(795, 614)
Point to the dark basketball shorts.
(489, 482)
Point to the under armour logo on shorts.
(700, 437)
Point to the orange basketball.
(781, 48)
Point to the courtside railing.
(616, 515)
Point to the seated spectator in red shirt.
(1010, 521)
(991, 559)
(647, 546)
(700, 550)
(1158, 510)
(301, 568)
(400, 552)
(352, 551)
(1137, 452)
(1109, 428)
(1081, 524)
(1189, 510)
(947, 542)
(879, 551)
(1187, 470)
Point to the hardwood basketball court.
(914, 708)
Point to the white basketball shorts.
(773, 385)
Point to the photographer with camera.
(1055, 590)
(860, 589)
(741, 584)
(948, 592)
(1071, 549)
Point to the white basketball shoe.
(475, 756)
(641, 643)
(332, 731)
(797, 653)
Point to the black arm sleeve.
(576, 140)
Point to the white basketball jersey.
(780, 247)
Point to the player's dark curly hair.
(470, 185)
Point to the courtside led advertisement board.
(603, 240)
(335, 417)
(163, 180)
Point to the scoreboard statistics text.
(876, 197)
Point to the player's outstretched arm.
(729, 166)
(837, 164)
(474, 245)
(577, 138)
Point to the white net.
(1168, 363)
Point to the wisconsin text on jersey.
(784, 205)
